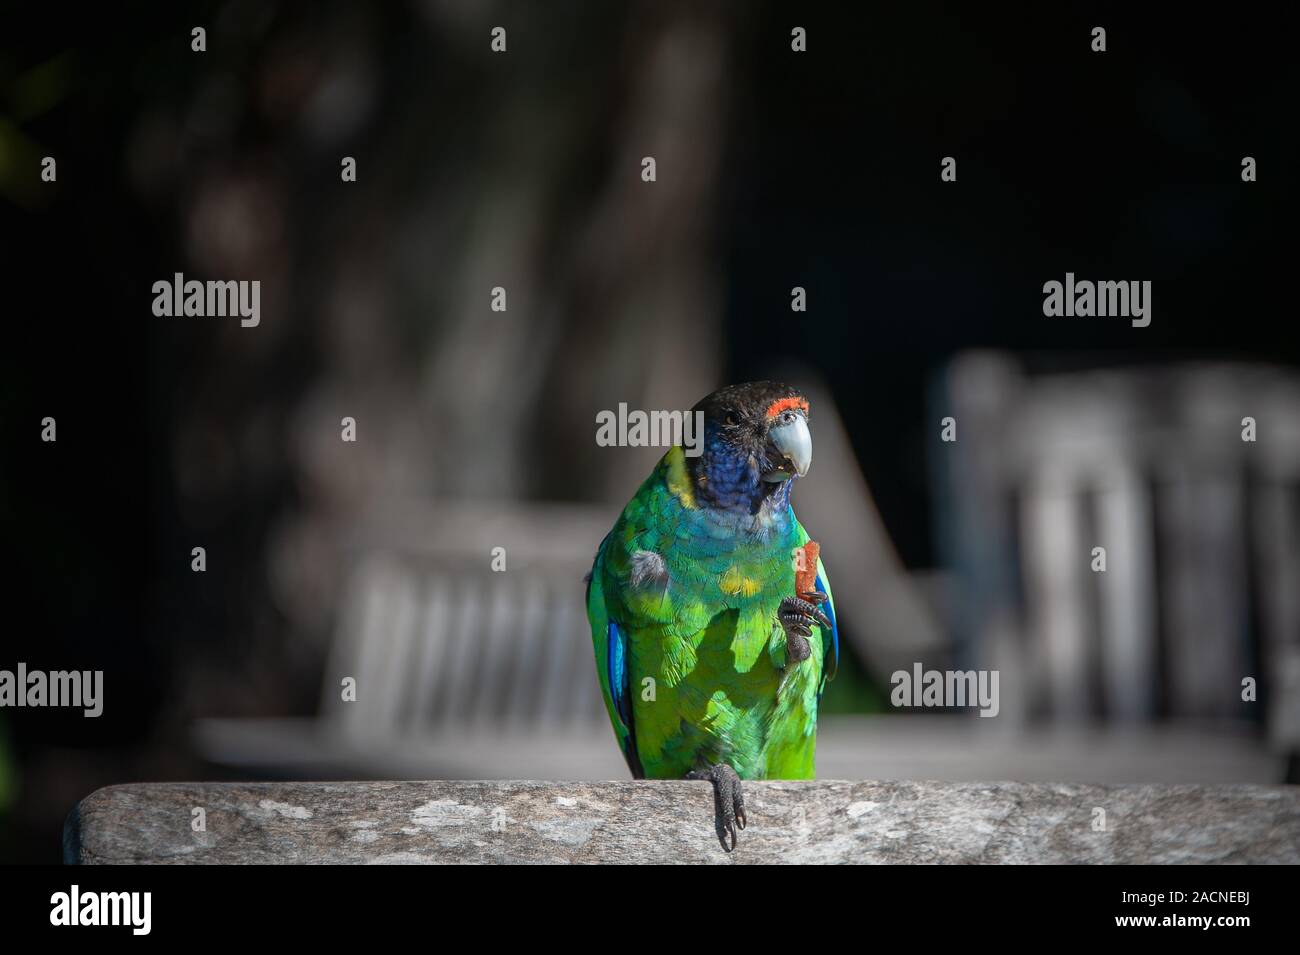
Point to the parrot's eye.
(731, 419)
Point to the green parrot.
(710, 613)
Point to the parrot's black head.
(756, 440)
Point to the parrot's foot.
(796, 616)
(728, 800)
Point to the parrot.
(711, 614)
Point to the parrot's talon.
(817, 598)
(729, 802)
(797, 616)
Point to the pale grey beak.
(793, 439)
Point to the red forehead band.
(784, 404)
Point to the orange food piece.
(805, 581)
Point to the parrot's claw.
(728, 800)
(797, 616)
(814, 597)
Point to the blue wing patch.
(828, 671)
(616, 666)
(620, 693)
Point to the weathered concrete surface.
(809, 822)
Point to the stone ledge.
(826, 821)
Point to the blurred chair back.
(435, 638)
(1200, 530)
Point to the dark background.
(1124, 165)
